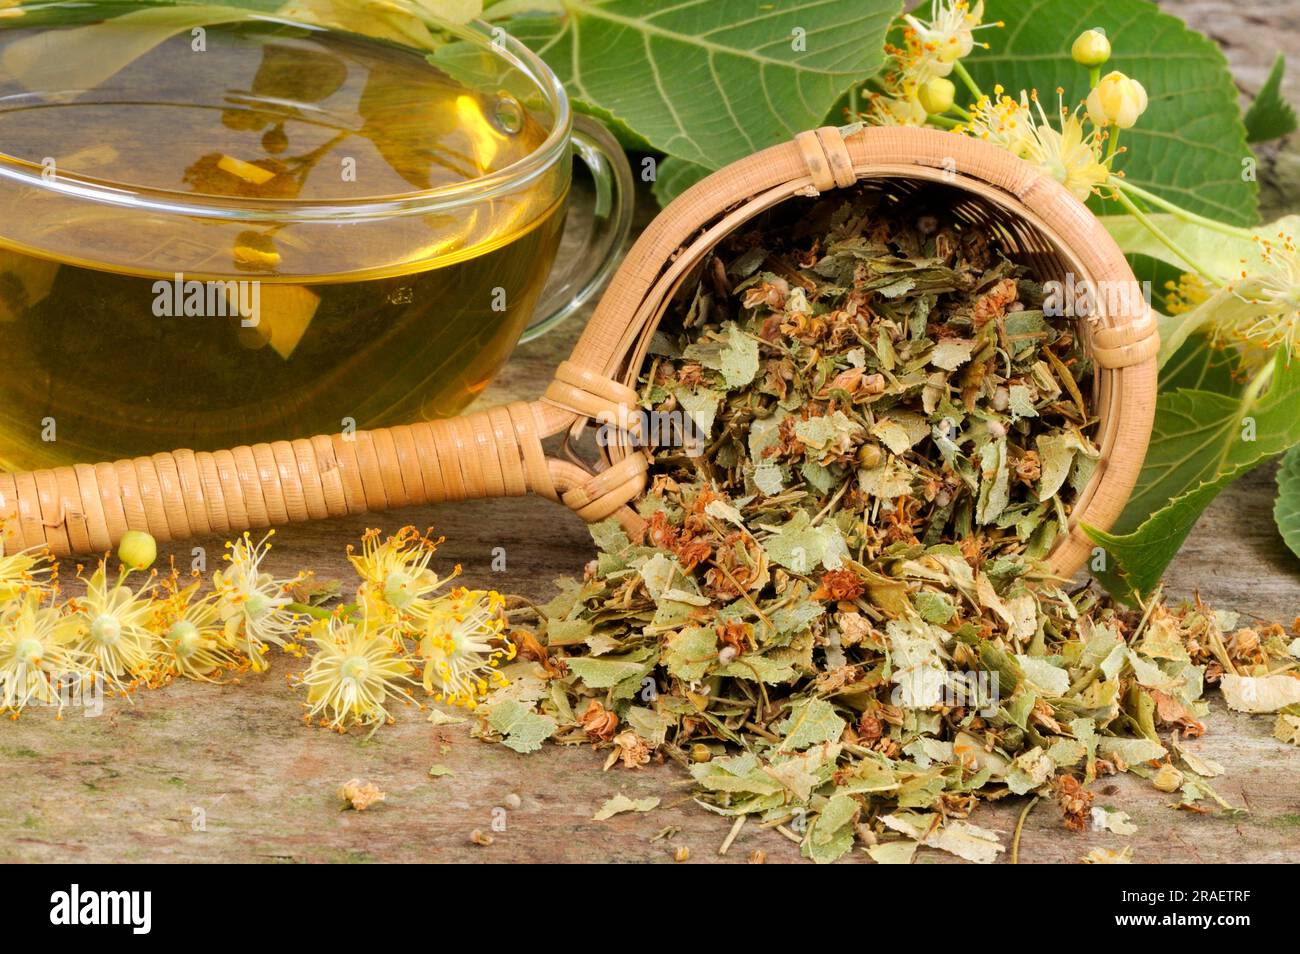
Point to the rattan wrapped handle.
(493, 453)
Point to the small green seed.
(700, 752)
(137, 550)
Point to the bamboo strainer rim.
(499, 451)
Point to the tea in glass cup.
(219, 228)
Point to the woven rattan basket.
(498, 452)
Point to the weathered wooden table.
(229, 773)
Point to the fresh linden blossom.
(1065, 152)
(357, 666)
(458, 637)
(364, 654)
(193, 641)
(253, 604)
(395, 574)
(23, 570)
(112, 625)
(36, 649)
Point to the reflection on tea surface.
(126, 333)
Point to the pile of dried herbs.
(838, 619)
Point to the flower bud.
(1091, 48)
(1168, 779)
(936, 95)
(1117, 99)
(137, 550)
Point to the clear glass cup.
(220, 226)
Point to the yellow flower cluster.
(1066, 152)
(915, 90)
(120, 636)
(116, 637)
(915, 80)
(407, 621)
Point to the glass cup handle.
(591, 265)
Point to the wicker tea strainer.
(498, 452)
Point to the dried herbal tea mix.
(838, 618)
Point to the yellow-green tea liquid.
(371, 325)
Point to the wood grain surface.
(229, 773)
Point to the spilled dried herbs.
(838, 618)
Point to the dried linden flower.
(359, 795)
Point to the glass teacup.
(220, 227)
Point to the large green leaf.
(710, 81)
(88, 54)
(1286, 511)
(1270, 116)
(1201, 442)
(1200, 365)
(1190, 144)
(675, 177)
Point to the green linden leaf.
(1270, 116)
(702, 407)
(739, 358)
(892, 434)
(757, 668)
(769, 478)
(831, 835)
(524, 730)
(621, 803)
(736, 773)
(674, 176)
(893, 852)
(951, 354)
(1043, 675)
(934, 607)
(1200, 365)
(800, 547)
(1132, 751)
(994, 489)
(1029, 771)
(438, 717)
(650, 724)
(820, 432)
(1201, 442)
(796, 617)
(568, 632)
(809, 723)
(1056, 452)
(1286, 510)
(821, 479)
(609, 536)
(607, 671)
(1066, 752)
(1188, 146)
(1021, 403)
(689, 654)
(709, 81)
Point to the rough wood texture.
(133, 784)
